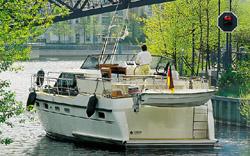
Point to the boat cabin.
(124, 64)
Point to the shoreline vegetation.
(19, 23)
(187, 32)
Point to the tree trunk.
(207, 36)
(193, 49)
(201, 39)
(193, 42)
(174, 55)
(84, 35)
(64, 38)
(94, 34)
(59, 38)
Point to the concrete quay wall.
(77, 50)
(228, 110)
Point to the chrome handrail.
(49, 84)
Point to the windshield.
(92, 61)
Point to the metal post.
(226, 59)
(230, 40)
(230, 50)
(228, 56)
(219, 50)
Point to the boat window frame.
(107, 56)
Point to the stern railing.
(52, 85)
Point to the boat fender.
(40, 77)
(31, 99)
(91, 105)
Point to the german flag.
(170, 80)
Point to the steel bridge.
(82, 8)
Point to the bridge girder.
(82, 8)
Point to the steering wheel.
(165, 69)
(160, 70)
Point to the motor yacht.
(108, 101)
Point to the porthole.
(67, 110)
(46, 106)
(57, 108)
(101, 115)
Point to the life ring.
(31, 99)
(40, 77)
(91, 105)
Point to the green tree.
(62, 29)
(242, 33)
(87, 26)
(135, 28)
(96, 28)
(19, 22)
(189, 25)
(236, 83)
(83, 26)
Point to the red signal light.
(228, 18)
(227, 21)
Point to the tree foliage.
(84, 26)
(20, 21)
(189, 26)
(236, 83)
(62, 30)
(135, 28)
(242, 33)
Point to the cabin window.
(66, 83)
(46, 106)
(101, 115)
(67, 110)
(57, 108)
(66, 80)
(37, 104)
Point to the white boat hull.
(66, 118)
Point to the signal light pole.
(227, 22)
(229, 40)
(219, 50)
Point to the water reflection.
(233, 140)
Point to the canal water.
(29, 137)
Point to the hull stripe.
(76, 116)
(77, 106)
